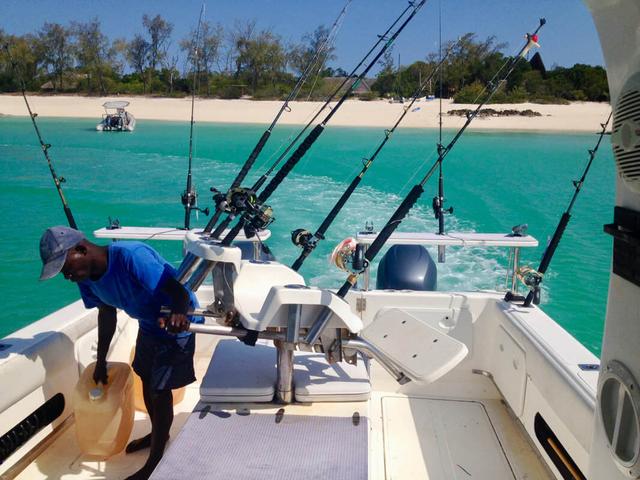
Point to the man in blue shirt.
(135, 278)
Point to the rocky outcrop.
(491, 112)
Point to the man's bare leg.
(162, 401)
(143, 442)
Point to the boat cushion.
(240, 373)
(315, 380)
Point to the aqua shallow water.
(493, 181)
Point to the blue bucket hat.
(54, 245)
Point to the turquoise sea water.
(493, 181)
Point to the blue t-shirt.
(132, 282)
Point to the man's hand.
(100, 373)
(176, 323)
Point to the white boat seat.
(312, 300)
(253, 284)
(240, 373)
(423, 352)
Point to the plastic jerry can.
(138, 396)
(104, 413)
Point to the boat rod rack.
(515, 240)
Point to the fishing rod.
(308, 241)
(438, 200)
(533, 278)
(360, 259)
(58, 181)
(237, 206)
(257, 215)
(189, 197)
(223, 200)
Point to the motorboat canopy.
(115, 104)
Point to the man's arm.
(107, 319)
(177, 321)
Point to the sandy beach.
(576, 117)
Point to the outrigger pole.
(189, 197)
(258, 214)
(308, 241)
(533, 278)
(412, 197)
(58, 181)
(221, 199)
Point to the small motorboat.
(116, 118)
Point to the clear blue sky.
(568, 38)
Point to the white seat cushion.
(315, 380)
(239, 373)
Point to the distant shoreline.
(575, 117)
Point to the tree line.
(246, 60)
(472, 63)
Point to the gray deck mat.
(226, 445)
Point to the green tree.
(55, 51)
(208, 51)
(317, 42)
(21, 60)
(159, 31)
(137, 51)
(260, 58)
(94, 55)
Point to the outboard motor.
(407, 267)
(248, 253)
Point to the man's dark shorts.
(165, 363)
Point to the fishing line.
(533, 278)
(326, 56)
(360, 259)
(58, 181)
(307, 241)
(437, 203)
(189, 197)
(225, 201)
(260, 215)
(506, 62)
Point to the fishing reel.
(349, 256)
(437, 204)
(529, 276)
(190, 200)
(532, 279)
(235, 200)
(258, 218)
(220, 199)
(305, 239)
(240, 199)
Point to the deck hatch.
(441, 440)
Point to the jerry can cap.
(96, 393)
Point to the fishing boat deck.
(458, 427)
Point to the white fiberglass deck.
(445, 431)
